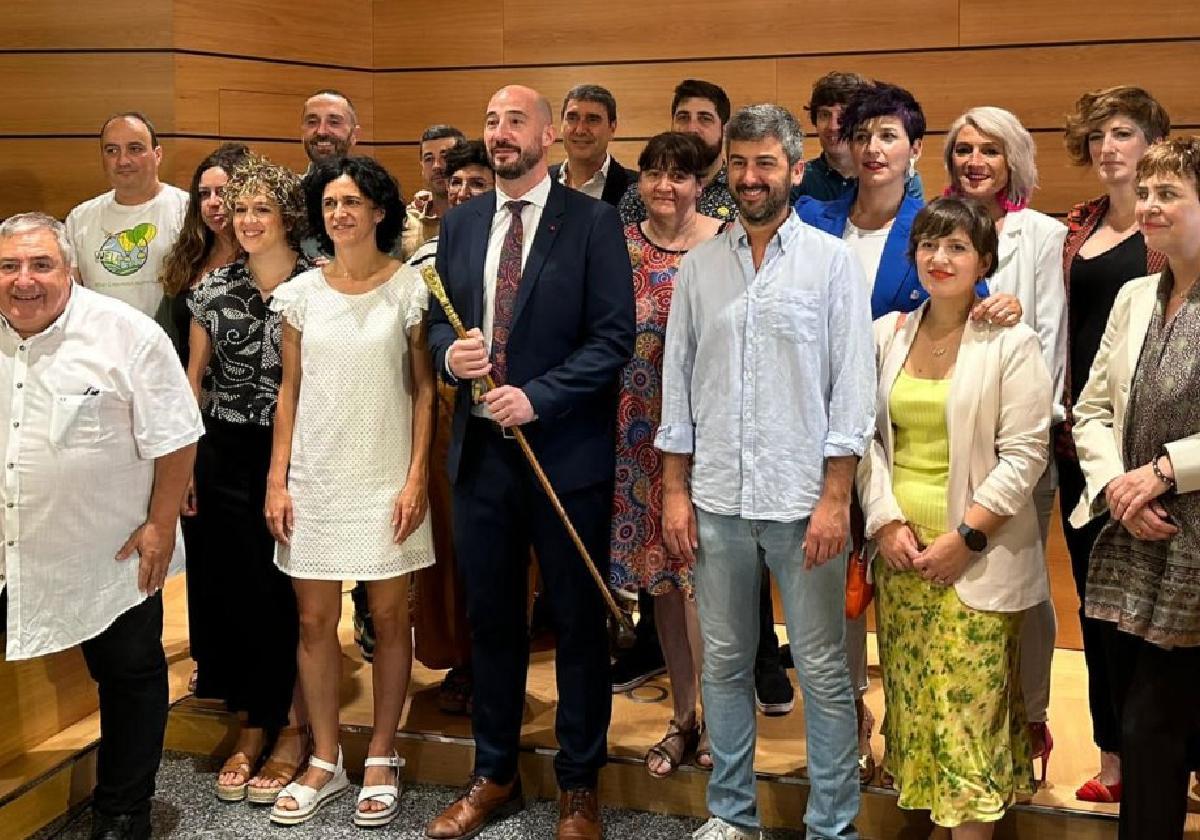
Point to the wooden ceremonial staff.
(434, 282)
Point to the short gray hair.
(1003, 127)
(756, 122)
(32, 222)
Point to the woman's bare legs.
(391, 670)
(320, 670)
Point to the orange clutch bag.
(859, 591)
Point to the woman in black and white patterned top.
(245, 625)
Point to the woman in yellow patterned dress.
(962, 421)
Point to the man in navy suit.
(542, 274)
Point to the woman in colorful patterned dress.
(671, 167)
(963, 413)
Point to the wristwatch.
(975, 539)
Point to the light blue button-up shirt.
(767, 373)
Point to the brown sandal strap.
(238, 762)
(687, 738)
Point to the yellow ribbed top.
(921, 471)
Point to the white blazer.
(1030, 266)
(1100, 411)
(998, 419)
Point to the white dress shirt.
(531, 215)
(593, 186)
(86, 406)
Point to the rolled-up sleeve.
(165, 414)
(677, 429)
(851, 361)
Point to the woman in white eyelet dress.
(352, 441)
(347, 490)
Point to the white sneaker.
(717, 829)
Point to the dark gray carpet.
(185, 807)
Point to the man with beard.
(542, 272)
(429, 204)
(830, 174)
(699, 108)
(328, 126)
(589, 121)
(766, 482)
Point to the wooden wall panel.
(187, 152)
(538, 32)
(51, 175)
(950, 81)
(248, 98)
(71, 24)
(334, 32)
(405, 103)
(1036, 22)
(434, 35)
(75, 93)
(54, 174)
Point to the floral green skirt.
(957, 741)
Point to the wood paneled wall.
(244, 73)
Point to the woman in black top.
(1110, 131)
(245, 625)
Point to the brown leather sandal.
(703, 757)
(674, 748)
(281, 773)
(241, 764)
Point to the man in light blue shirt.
(768, 402)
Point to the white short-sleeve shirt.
(86, 406)
(121, 247)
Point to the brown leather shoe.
(484, 803)
(579, 815)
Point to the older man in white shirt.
(98, 429)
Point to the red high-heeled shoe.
(1094, 790)
(1039, 733)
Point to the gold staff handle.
(434, 282)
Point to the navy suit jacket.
(618, 180)
(572, 329)
(896, 287)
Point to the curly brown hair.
(257, 175)
(1095, 107)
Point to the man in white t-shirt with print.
(123, 236)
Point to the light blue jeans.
(727, 589)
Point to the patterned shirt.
(714, 200)
(767, 373)
(245, 368)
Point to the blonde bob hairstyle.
(1003, 127)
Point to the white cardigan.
(998, 421)
(1030, 267)
(1100, 411)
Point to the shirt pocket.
(75, 420)
(793, 315)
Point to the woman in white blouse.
(989, 157)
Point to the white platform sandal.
(309, 800)
(386, 795)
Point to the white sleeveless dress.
(352, 439)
